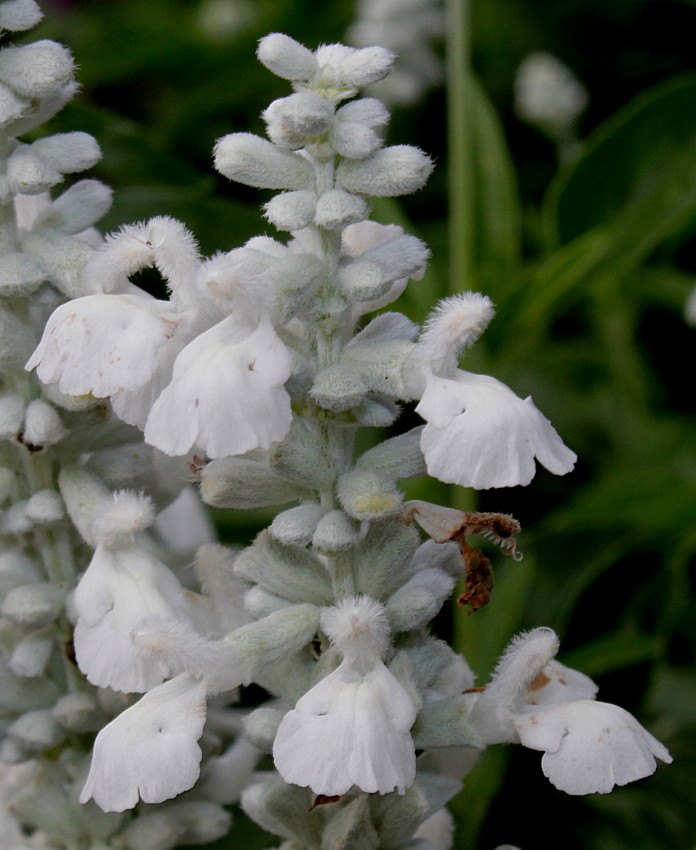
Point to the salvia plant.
(121, 668)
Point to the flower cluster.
(260, 362)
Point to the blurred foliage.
(589, 264)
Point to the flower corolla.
(352, 728)
(589, 747)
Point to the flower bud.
(33, 605)
(296, 526)
(335, 533)
(15, 519)
(261, 725)
(12, 409)
(45, 507)
(286, 57)
(366, 496)
(381, 365)
(336, 209)
(79, 712)
(68, 152)
(354, 67)
(291, 210)
(36, 70)
(303, 113)
(243, 483)
(30, 657)
(29, 174)
(419, 600)
(78, 208)
(254, 161)
(42, 425)
(396, 170)
(35, 732)
(19, 15)
(260, 603)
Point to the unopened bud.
(36, 731)
(19, 15)
(36, 70)
(367, 496)
(42, 425)
(252, 160)
(33, 605)
(338, 388)
(45, 507)
(335, 533)
(286, 57)
(12, 409)
(336, 209)
(291, 210)
(261, 725)
(392, 171)
(296, 526)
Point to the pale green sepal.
(62, 258)
(444, 723)
(83, 494)
(17, 695)
(437, 789)
(20, 275)
(17, 339)
(412, 609)
(301, 458)
(292, 805)
(350, 828)
(43, 803)
(269, 641)
(260, 603)
(428, 659)
(338, 388)
(381, 365)
(244, 483)
(400, 668)
(367, 496)
(261, 725)
(383, 557)
(396, 458)
(397, 816)
(290, 572)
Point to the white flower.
(123, 590)
(480, 434)
(227, 396)
(548, 93)
(150, 751)
(352, 728)
(589, 747)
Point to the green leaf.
(614, 652)
(641, 151)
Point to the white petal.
(227, 396)
(558, 683)
(120, 593)
(349, 730)
(480, 434)
(103, 344)
(589, 747)
(150, 751)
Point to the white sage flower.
(150, 751)
(480, 434)
(123, 590)
(227, 395)
(352, 728)
(589, 747)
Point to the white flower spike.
(353, 727)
